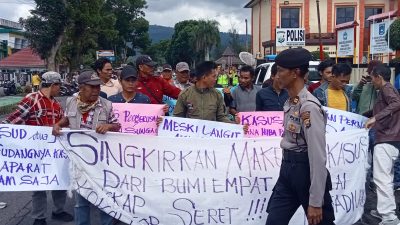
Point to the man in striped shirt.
(42, 109)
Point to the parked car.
(263, 72)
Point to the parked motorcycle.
(68, 89)
(10, 88)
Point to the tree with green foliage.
(45, 29)
(79, 28)
(207, 36)
(394, 32)
(315, 55)
(88, 22)
(158, 51)
(182, 46)
(131, 25)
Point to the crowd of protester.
(197, 97)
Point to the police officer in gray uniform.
(303, 179)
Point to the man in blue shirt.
(128, 80)
(271, 98)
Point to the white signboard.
(290, 37)
(106, 54)
(378, 37)
(345, 46)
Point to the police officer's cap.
(293, 58)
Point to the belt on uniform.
(295, 157)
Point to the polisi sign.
(290, 37)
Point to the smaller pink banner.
(263, 124)
(140, 119)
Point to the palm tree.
(206, 36)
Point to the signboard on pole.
(345, 46)
(290, 37)
(378, 38)
(106, 54)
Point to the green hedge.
(7, 109)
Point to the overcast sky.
(229, 13)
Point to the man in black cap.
(154, 87)
(128, 81)
(303, 180)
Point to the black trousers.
(292, 191)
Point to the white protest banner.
(378, 37)
(171, 103)
(31, 159)
(339, 120)
(138, 118)
(345, 45)
(181, 181)
(183, 127)
(290, 37)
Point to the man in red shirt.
(153, 87)
(42, 109)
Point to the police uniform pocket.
(293, 127)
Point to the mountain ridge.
(158, 33)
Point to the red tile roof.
(22, 59)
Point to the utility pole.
(247, 39)
(321, 51)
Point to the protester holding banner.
(88, 111)
(42, 109)
(202, 101)
(104, 70)
(385, 120)
(244, 96)
(154, 87)
(303, 180)
(128, 81)
(336, 93)
(325, 70)
(181, 80)
(272, 97)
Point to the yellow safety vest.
(235, 80)
(223, 80)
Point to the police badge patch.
(306, 117)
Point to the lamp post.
(321, 51)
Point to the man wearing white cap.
(182, 76)
(42, 109)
